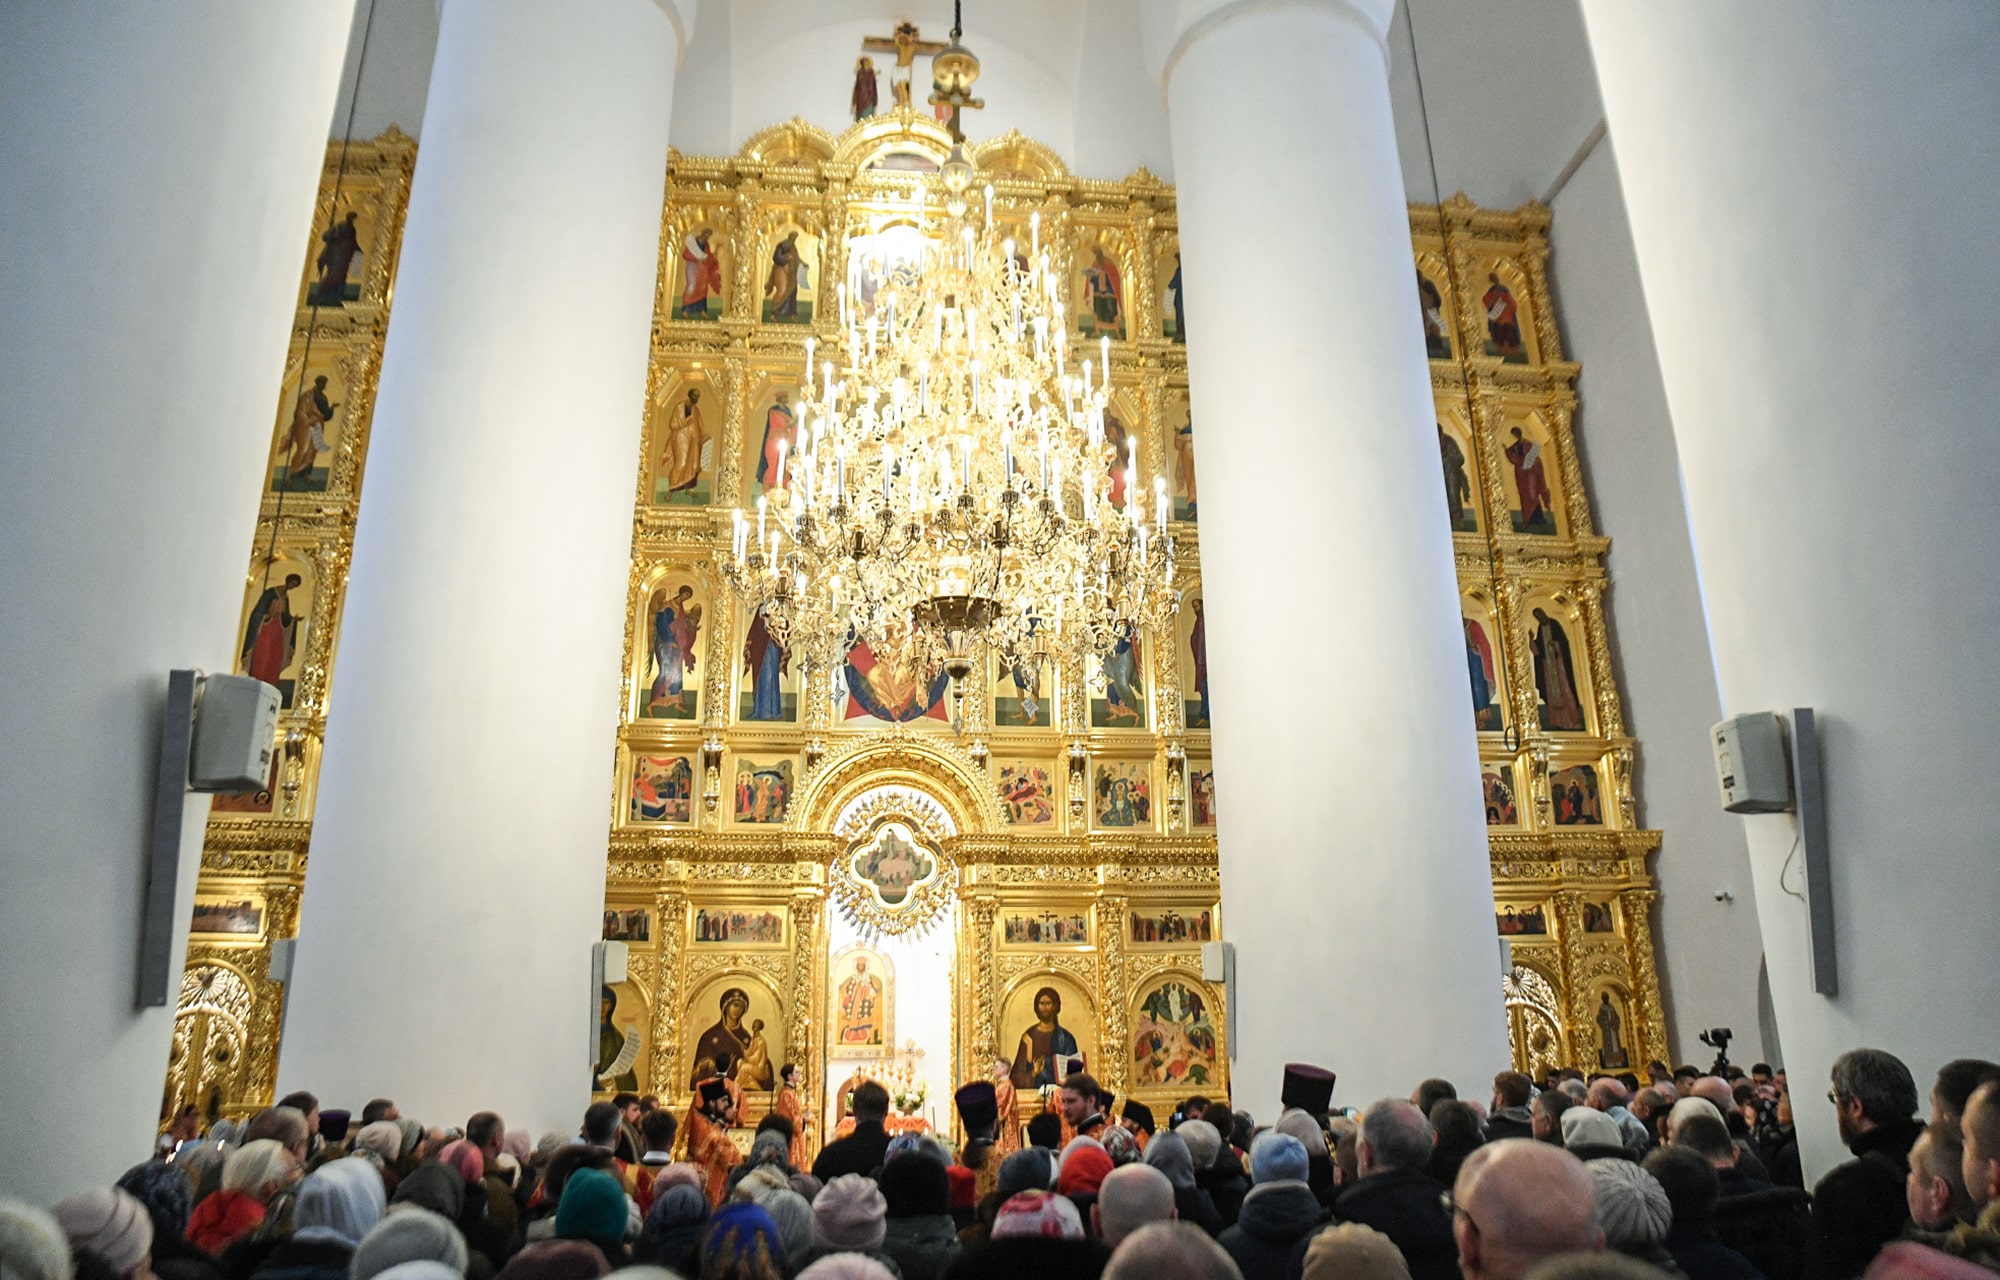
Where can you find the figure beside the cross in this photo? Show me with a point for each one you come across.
(953, 70)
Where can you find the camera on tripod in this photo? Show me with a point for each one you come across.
(1717, 1038)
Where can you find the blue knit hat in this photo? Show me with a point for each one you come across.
(592, 1207)
(1277, 1157)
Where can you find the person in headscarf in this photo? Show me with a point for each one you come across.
(251, 1175)
(741, 1242)
(594, 1209)
(771, 1150)
(673, 1226)
(1118, 1143)
(850, 1216)
(794, 1215)
(338, 1204)
(846, 1266)
(1168, 1152)
(32, 1243)
(919, 1231)
(1084, 1167)
(556, 1260)
(111, 1227)
(168, 1195)
(445, 1189)
(409, 1234)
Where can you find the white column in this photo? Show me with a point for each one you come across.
(1811, 199)
(160, 167)
(1355, 880)
(458, 851)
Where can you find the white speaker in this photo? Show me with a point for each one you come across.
(1752, 763)
(235, 733)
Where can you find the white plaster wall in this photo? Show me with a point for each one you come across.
(1811, 196)
(1710, 951)
(160, 164)
(922, 1003)
(390, 86)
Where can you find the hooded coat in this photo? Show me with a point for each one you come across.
(1168, 1152)
(1275, 1219)
(1407, 1207)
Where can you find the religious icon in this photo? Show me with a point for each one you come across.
(763, 791)
(861, 980)
(1174, 1040)
(1122, 454)
(725, 1043)
(767, 668)
(1480, 666)
(889, 691)
(687, 454)
(1611, 1051)
(1103, 312)
(701, 276)
(893, 864)
(1026, 795)
(867, 89)
(1536, 513)
(1122, 796)
(755, 1071)
(342, 243)
(299, 467)
(1597, 918)
(1201, 795)
(1498, 784)
(1573, 797)
(741, 927)
(1515, 922)
(1457, 485)
(1194, 677)
(1017, 692)
(675, 617)
(777, 440)
(1171, 928)
(906, 45)
(1173, 311)
(1185, 497)
(1555, 675)
(620, 1037)
(630, 924)
(1503, 322)
(1123, 705)
(1045, 929)
(239, 918)
(1437, 335)
(662, 788)
(789, 278)
(271, 634)
(1042, 1044)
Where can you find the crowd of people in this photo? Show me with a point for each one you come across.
(1686, 1176)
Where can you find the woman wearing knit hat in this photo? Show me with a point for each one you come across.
(556, 1260)
(1633, 1211)
(111, 1225)
(846, 1266)
(338, 1204)
(32, 1244)
(168, 1194)
(593, 1208)
(921, 1235)
(1279, 1212)
(849, 1216)
(741, 1243)
(673, 1225)
(409, 1234)
(251, 1175)
(1168, 1152)
(794, 1216)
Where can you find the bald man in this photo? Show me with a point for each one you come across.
(1131, 1196)
(1517, 1202)
(1170, 1251)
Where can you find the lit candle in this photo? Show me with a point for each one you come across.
(810, 343)
(1104, 345)
(1035, 230)
(965, 448)
(888, 468)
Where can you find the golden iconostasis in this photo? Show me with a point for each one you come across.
(1058, 827)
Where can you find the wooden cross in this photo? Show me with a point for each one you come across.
(906, 45)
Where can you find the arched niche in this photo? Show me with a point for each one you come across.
(900, 758)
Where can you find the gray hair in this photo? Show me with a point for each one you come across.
(408, 1233)
(382, 1138)
(1398, 1134)
(1170, 1251)
(1879, 1081)
(257, 1164)
(1132, 1196)
(1204, 1143)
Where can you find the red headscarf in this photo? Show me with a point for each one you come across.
(1083, 1170)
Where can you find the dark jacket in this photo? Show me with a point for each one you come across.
(1509, 1122)
(1446, 1157)
(1703, 1257)
(859, 1152)
(1781, 1157)
(1860, 1206)
(1040, 1257)
(1407, 1207)
(1275, 1217)
(1192, 1204)
(306, 1260)
(1225, 1183)
(922, 1245)
(175, 1259)
(1770, 1226)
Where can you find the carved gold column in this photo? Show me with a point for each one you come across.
(806, 949)
(671, 917)
(985, 911)
(1583, 1037)
(1114, 1041)
(1636, 906)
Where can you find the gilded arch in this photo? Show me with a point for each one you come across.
(900, 757)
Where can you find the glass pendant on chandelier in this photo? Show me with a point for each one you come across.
(952, 488)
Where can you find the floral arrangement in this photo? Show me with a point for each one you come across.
(909, 1098)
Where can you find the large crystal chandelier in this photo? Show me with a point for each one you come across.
(953, 489)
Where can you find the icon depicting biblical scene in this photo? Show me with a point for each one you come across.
(1048, 1039)
(672, 619)
(867, 689)
(1201, 794)
(1123, 455)
(763, 790)
(1498, 782)
(1573, 797)
(739, 927)
(1173, 310)
(236, 917)
(770, 442)
(1483, 668)
(1118, 684)
(1174, 1040)
(687, 425)
(1193, 626)
(734, 1045)
(1437, 326)
(1461, 500)
(1027, 795)
(862, 982)
(1171, 928)
(272, 641)
(1180, 434)
(894, 253)
(1100, 305)
(1122, 794)
(893, 864)
(337, 279)
(1515, 922)
(701, 274)
(1046, 929)
(1561, 705)
(662, 788)
(1023, 692)
(769, 692)
(312, 416)
(628, 924)
(1528, 467)
(1597, 918)
(1503, 321)
(791, 278)
(621, 1038)
(1612, 1055)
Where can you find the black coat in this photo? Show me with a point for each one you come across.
(1226, 1184)
(1407, 1207)
(175, 1259)
(1274, 1219)
(859, 1152)
(1192, 1204)
(1860, 1206)
(1703, 1257)
(1770, 1226)
(306, 1260)
(923, 1244)
(1043, 1257)
(1509, 1122)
